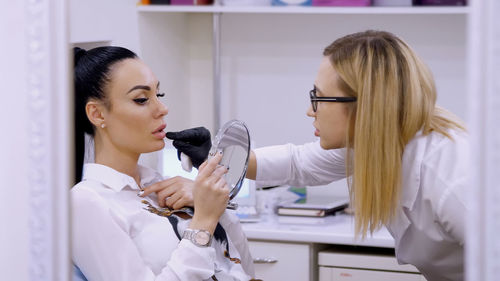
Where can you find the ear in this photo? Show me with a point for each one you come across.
(95, 114)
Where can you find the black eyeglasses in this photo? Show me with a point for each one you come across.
(315, 99)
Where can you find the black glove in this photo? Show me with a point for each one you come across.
(194, 142)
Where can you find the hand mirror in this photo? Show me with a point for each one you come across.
(233, 139)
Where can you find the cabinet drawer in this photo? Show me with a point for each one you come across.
(281, 261)
(349, 274)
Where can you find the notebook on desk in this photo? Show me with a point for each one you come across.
(313, 206)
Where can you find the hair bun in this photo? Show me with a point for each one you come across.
(78, 53)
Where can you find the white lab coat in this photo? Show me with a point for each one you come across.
(429, 225)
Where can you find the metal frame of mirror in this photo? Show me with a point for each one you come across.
(233, 139)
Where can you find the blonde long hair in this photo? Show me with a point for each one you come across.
(396, 97)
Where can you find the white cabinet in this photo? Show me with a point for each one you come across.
(340, 266)
(282, 261)
(349, 274)
(275, 260)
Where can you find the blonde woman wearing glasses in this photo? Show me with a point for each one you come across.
(374, 111)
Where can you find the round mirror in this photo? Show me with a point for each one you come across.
(233, 139)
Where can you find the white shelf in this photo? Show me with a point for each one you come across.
(303, 10)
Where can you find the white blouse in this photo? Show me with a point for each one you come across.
(118, 235)
(429, 224)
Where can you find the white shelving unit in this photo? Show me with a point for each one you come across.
(267, 58)
(302, 10)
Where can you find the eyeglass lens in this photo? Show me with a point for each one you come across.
(314, 102)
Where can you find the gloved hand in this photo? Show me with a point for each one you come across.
(194, 142)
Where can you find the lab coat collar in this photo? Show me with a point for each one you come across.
(116, 180)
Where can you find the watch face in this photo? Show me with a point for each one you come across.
(202, 238)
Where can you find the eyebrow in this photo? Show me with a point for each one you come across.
(142, 87)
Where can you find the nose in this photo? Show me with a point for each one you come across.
(162, 109)
(310, 112)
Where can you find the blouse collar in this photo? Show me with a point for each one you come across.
(117, 180)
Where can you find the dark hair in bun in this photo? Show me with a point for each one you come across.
(91, 75)
(78, 54)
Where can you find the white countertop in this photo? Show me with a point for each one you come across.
(338, 229)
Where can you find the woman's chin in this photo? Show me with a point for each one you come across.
(157, 146)
(328, 145)
(324, 144)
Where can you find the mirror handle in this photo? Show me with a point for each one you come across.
(232, 205)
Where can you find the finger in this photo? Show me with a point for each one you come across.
(200, 135)
(172, 135)
(182, 202)
(158, 186)
(181, 145)
(165, 193)
(227, 189)
(221, 183)
(188, 134)
(219, 172)
(170, 201)
(202, 166)
(210, 166)
(152, 188)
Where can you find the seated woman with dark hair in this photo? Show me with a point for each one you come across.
(123, 230)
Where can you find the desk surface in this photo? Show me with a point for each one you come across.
(337, 229)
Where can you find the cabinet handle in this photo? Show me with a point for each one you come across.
(265, 260)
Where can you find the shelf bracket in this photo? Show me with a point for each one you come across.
(216, 38)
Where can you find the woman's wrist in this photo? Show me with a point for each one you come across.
(252, 166)
(208, 224)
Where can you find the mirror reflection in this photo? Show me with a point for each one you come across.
(233, 140)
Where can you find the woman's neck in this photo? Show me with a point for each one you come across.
(109, 155)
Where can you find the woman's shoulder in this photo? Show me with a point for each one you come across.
(444, 156)
(435, 142)
(85, 194)
(456, 141)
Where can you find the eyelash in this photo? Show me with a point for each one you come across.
(142, 101)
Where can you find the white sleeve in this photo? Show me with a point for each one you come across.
(452, 212)
(232, 226)
(446, 172)
(103, 250)
(300, 165)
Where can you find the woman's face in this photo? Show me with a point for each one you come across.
(330, 118)
(134, 121)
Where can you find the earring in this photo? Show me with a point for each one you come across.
(103, 125)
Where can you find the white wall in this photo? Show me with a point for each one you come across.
(110, 20)
(35, 162)
(14, 210)
(270, 63)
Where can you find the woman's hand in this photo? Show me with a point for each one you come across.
(211, 194)
(175, 193)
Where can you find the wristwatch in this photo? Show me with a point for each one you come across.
(199, 237)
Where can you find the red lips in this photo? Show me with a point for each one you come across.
(159, 129)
